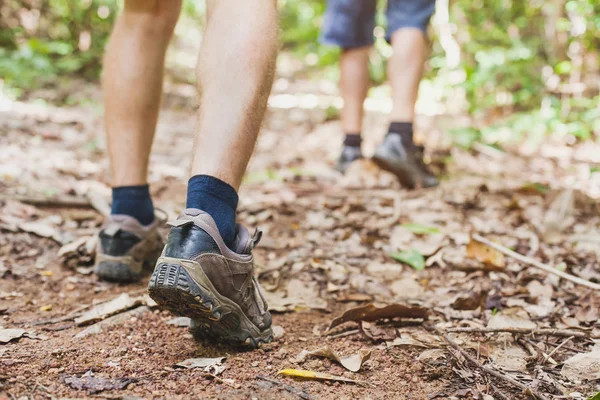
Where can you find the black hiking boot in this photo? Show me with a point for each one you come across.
(126, 248)
(199, 277)
(405, 160)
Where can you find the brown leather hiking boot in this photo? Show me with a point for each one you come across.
(125, 246)
(198, 276)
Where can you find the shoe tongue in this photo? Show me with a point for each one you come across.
(242, 240)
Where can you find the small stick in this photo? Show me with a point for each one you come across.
(496, 374)
(54, 201)
(556, 348)
(346, 333)
(536, 263)
(300, 393)
(527, 331)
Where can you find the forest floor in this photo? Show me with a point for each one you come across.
(326, 249)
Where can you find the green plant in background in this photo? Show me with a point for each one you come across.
(527, 69)
(42, 40)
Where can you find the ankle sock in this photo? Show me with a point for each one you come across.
(404, 129)
(134, 201)
(352, 140)
(218, 199)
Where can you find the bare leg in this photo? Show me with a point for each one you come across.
(133, 79)
(235, 73)
(405, 70)
(354, 84)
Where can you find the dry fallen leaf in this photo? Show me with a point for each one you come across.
(102, 325)
(299, 373)
(118, 304)
(97, 384)
(471, 300)
(511, 318)
(509, 357)
(200, 362)
(299, 296)
(6, 335)
(492, 258)
(372, 313)
(352, 362)
(583, 366)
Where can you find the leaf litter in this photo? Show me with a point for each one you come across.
(351, 362)
(330, 240)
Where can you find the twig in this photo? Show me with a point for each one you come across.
(536, 263)
(54, 201)
(496, 374)
(527, 331)
(223, 381)
(346, 333)
(302, 394)
(546, 358)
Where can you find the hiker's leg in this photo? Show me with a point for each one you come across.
(235, 72)
(405, 70)
(407, 32)
(349, 25)
(407, 26)
(133, 79)
(206, 271)
(354, 84)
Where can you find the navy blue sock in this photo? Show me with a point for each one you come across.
(218, 199)
(404, 129)
(352, 140)
(134, 201)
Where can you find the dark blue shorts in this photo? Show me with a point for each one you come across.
(350, 23)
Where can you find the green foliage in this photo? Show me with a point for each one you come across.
(419, 229)
(42, 40)
(411, 258)
(527, 69)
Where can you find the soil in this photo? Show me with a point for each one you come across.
(329, 235)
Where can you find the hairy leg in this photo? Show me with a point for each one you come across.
(133, 78)
(354, 84)
(235, 72)
(405, 70)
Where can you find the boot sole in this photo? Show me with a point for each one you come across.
(400, 173)
(181, 287)
(119, 269)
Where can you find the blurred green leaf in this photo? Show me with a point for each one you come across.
(420, 229)
(410, 257)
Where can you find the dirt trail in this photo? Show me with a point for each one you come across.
(326, 249)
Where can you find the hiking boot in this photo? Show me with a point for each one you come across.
(125, 246)
(405, 161)
(199, 277)
(348, 156)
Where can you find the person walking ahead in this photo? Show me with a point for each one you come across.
(349, 24)
(205, 270)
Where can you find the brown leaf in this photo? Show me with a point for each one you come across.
(492, 258)
(352, 362)
(470, 301)
(95, 385)
(376, 333)
(583, 366)
(354, 297)
(372, 313)
(6, 335)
